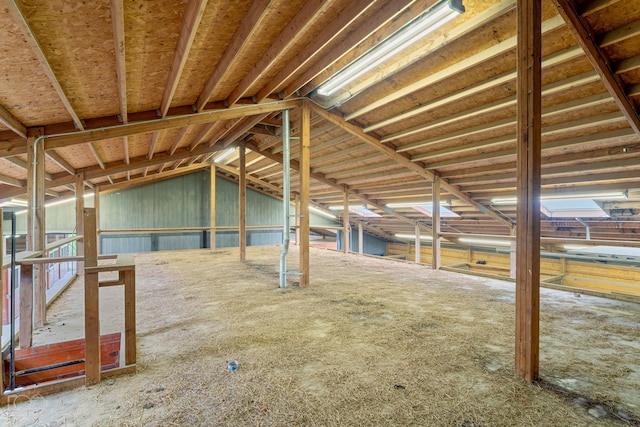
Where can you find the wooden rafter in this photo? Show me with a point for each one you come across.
(12, 123)
(242, 36)
(599, 59)
(178, 140)
(387, 12)
(190, 22)
(60, 161)
(117, 19)
(413, 166)
(348, 15)
(32, 41)
(290, 35)
(495, 51)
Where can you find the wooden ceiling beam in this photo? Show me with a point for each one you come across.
(505, 78)
(590, 7)
(21, 22)
(486, 55)
(7, 119)
(411, 56)
(336, 28)
(291, 34)
(14, 182)
(584, 34)
(135, 182)
(429, 175)
(295, 165)
(178, 140)
(388, 12)
(117, 19)
(247, 29)
(60, 161)
(59, 141)
(190, 23)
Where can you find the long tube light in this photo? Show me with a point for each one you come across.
(608, 195)
(400, 40)
(413, 236)
(321, 212)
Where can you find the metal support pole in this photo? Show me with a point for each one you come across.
(286, 196)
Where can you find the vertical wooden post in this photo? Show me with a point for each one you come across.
(436, 260)
(79, 216)
(91, 300)
(1, 304)
(418, 255)
(96, 206)
(305, 176)
(346, 238)
(528, 168)
(242, 182)
(512, 255)
(360, 239)
(130, 317)
(297, 206)
(212, 207)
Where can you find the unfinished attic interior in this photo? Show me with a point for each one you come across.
(428, 211)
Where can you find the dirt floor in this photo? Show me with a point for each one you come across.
(370, 342)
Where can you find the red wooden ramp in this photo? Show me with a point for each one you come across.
(36, 365)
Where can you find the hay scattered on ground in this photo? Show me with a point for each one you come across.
(371, 342)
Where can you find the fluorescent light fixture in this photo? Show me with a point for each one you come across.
(413, 236)
(58, 202)
(14, 203)
(597, 195)
(485, 242)
(400, 40)
(341, 207)
(364, 212)
(408, 204)
(322, 212)
(574, 247)
(224, 155)
(428, 211)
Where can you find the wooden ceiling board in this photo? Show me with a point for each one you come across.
(32, 101)
(627, 48)
(78, 156)
(110, 150)
(216, 29)
(151, 33)
(76, 38)
(615, 15)
(139, 145)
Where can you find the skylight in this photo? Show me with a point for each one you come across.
(364, 212)
(572, 208)
(428, 211)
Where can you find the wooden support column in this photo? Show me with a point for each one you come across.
(242, 182)
(80, 217)
(360, 239)
(129, 316)
(346, 226)
(305, 176)
(33, 294)
(212, 207)
(1, 305)
(436, 260)
(91, 300)
(96, 206)
(418, 255)
(297, 206)
(512, 255)
(528, 189)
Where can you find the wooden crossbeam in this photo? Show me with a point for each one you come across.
(117, 19)
(584, 34)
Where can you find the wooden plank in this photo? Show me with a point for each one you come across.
(172, 122)
(529, 149)
(1, 304)
(242, 184)
(60, 161)
(417, 257)
(248, 27)
(390, 152)
(7, 119)
(130, 317)
(190, 22)
(290, 35)
(360, 238)
(337, 27)
(20, 21)
(495, 51)
(585, 36)
(212, 206)
(346, 238)
(80, 218)
(117, 19)
(436, 261)
(305, 171)
(91, 300)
